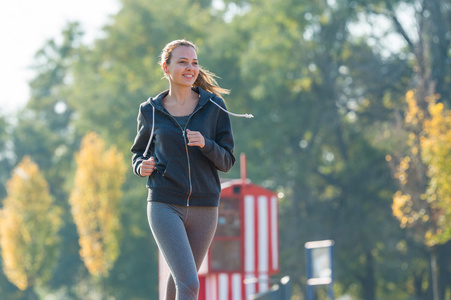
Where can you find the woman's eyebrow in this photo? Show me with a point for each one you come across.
(185, 58)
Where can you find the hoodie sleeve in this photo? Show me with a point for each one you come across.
(220, 150)
(140, 143)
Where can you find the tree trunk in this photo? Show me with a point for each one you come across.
(434, 274)
(31, 294)
(368, 282)
(418, 279)
(444, 270)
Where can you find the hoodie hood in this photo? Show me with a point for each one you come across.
(205, 97)
(157, 101)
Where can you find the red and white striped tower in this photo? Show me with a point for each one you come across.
(245, 250)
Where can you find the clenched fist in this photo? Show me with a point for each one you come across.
(147, 167)
(195, 138)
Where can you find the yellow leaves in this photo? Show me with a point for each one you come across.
(401, 208)
(413, 114)
(427, 200)
(436, 109)
(405, 209)
(12, 248)
(29, 223)
(95, 201)
(436, 145)
(402, 169)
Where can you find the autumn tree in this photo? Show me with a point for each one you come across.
(95, 200)
(110, 79)
(29, 225)
(310, 86)
(424, 42)
(43, 130)
(423, 202)
(436, 145)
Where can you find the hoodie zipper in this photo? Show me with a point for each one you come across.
(184, 137)
(186, 149)
(189, 166)
(187, 155)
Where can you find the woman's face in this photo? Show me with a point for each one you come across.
(183, 67)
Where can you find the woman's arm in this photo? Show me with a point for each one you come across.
(220, 150)
(140, 142)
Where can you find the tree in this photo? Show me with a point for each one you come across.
(300, 74)
(44, 131)
(110, 79)
(95, 201)
(43, 128)
(423, 201)
(427, 45)
(122, 70)
(29, 225)
(325, 102)
(436, 146)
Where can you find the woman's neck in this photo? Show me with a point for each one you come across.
(180, 102)
(180, 95)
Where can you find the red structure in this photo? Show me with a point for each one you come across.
(245, 250)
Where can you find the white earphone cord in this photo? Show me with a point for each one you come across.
(230, 113)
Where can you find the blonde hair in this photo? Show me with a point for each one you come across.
(206, 79)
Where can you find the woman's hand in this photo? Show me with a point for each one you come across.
(195, 138)
(147, 167)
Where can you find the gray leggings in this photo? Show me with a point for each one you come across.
(183, 235)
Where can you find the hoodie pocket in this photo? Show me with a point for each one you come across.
(175, 175)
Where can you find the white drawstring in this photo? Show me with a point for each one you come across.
(151, 133)
(230, 113)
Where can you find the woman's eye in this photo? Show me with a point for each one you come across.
(183, 62)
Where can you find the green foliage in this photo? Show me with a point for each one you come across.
(44, 131)
(123, 71)
(327, 105)
(5, 153)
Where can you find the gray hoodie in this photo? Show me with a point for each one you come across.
(184, 175)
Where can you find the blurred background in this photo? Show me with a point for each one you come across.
(352, 130)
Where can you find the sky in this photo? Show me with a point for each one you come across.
(25, 26)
